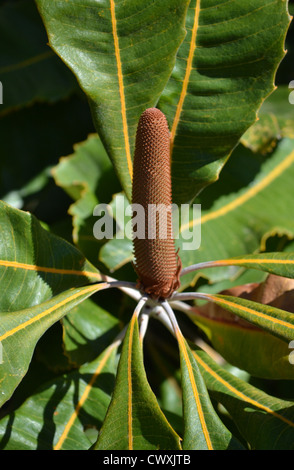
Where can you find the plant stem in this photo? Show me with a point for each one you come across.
(120, 284)
(204, 265)
(190, 296)
(172, 317)
(130, 288)
(144, 321)
(160, 314)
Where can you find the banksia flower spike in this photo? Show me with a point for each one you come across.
(156, 261)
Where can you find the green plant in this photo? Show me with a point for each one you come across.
(73, 375)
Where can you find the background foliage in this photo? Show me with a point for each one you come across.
(54, 165)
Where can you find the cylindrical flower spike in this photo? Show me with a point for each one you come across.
(156, 261)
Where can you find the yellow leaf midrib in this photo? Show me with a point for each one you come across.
(246, 196)
(46, 269)
(232, 261)
(239, 394)
(44, 313)
(195, 391)
(228, 303)
(130, 388)
(84, 397)
(188, 71)
(121, 88)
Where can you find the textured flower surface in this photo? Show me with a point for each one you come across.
(156, 261)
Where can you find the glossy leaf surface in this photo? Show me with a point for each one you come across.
(225, 68)
(240, 343)
(278, 322)
(238, 217)
(75, 403)
(122, 53)
(134, 420)
(265, 422)
(203, 428)
(31, 322)
(35, 264)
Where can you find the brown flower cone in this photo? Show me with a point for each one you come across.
(156, 261)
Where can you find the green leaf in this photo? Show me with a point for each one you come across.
(88, 177)
(238, 214)
(266, 422)
(263, 135)
(275, 122)
(134, 420)
(35, 264)
(279, 263)
(240, 343)
(274, 320)
(203, 428)
(81, 171)
(225, 68)
(16, 327)
(166, 378)
(122, 54)
(116, 252)
(29, 70)
(61, 413)
(119, 250)
(87, 330)
(238, 217)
